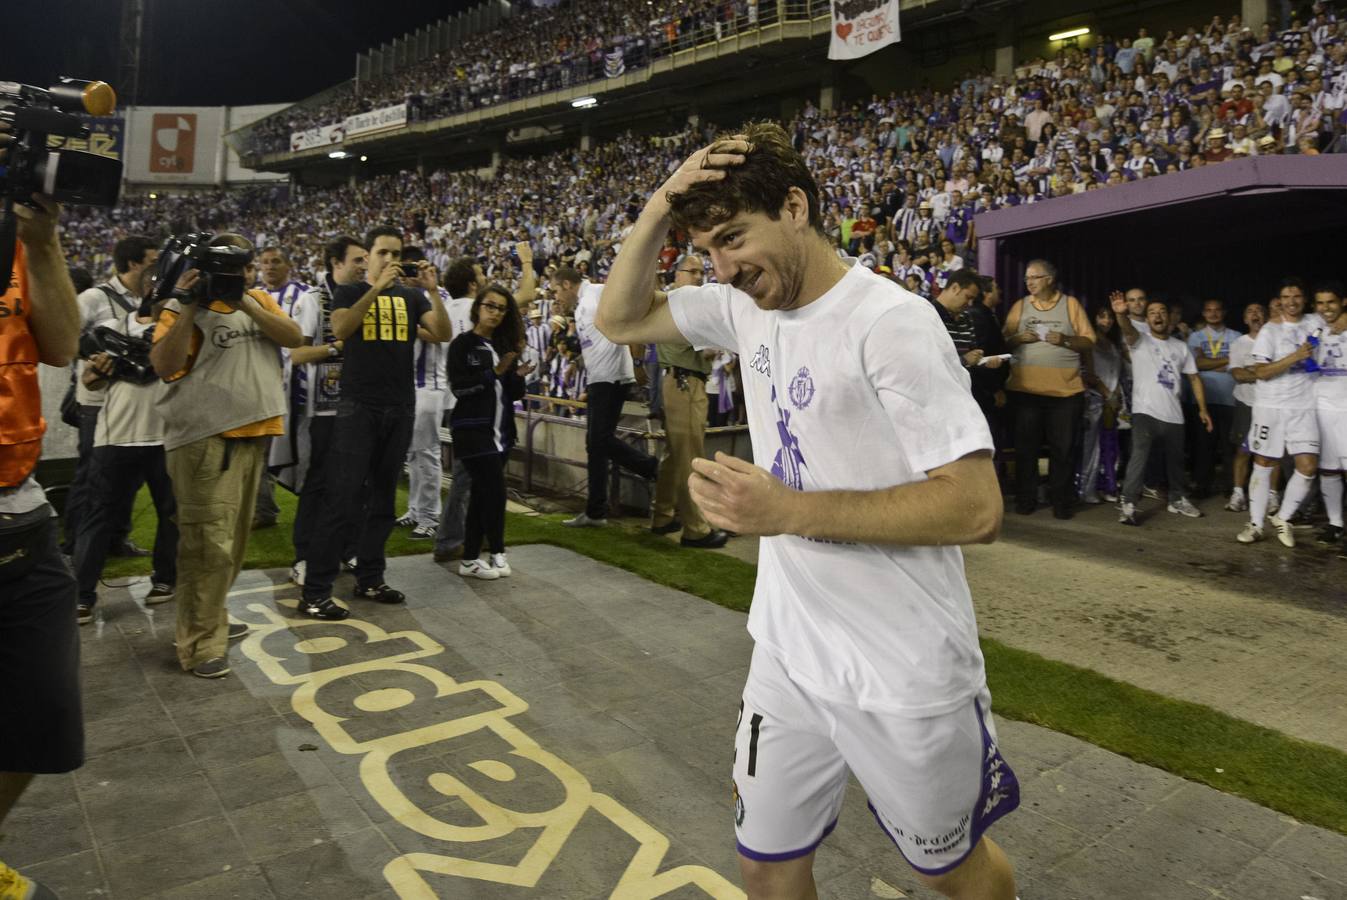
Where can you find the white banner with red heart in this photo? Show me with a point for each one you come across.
(863, 26)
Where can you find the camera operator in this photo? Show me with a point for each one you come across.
(109, 304)
(222, 401)
(378, 322)
(43, 730)
(128, 451)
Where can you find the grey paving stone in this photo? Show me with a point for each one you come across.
(144, 725)
(349, 866)
(234, 744)
(139, 866)
(1265, 877)
(1178, 849)
(1141, 783)
(36, 834)
(168, 758)
(296, 822)
(1078, 803)
(1100, 871)
(131, 807)
(237, 884)
(1228, 815)
(76, 876)
(203, 714)
(268, 777)
(1316, 849)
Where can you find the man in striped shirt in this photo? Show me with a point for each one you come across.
(425, 467)
(274, 267)
(962, 287)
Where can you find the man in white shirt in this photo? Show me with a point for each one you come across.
(1157, 411)
(1330, 392)
(425, 468)
(611, 372)
(1240, 368)
(274, 267)
(1284, 418)
(109, 303)
(1211, 350)
(866, 650)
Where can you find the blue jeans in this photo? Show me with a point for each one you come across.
(452, 530)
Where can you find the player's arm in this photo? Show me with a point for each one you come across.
(1264, 371)
(1212, 363)
(628, 311)
(54, 316)
(528, 278)
(1200, 395)
(1117, 300)
(958, 503)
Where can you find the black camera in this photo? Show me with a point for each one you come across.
(130, 355)
(219, 259)
(69, 176)
(410, 269)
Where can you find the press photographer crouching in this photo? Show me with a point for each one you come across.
(128, 450)
(215, 344)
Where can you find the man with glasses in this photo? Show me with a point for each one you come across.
(683, 388)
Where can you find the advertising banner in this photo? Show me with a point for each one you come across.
(174, 145)
(860, 27)
(325, 136)
(106, 137)
(375, 120)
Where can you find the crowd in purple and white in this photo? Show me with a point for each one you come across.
(532, 52)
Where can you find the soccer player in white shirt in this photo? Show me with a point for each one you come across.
(1330, 393)
(866, 655)
(1284, 418)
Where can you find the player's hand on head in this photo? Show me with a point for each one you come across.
(739, 496)
(707, 164)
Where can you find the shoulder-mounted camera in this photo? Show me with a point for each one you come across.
(69, 176)
(220, 259)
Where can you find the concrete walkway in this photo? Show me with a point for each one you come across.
(553, 735)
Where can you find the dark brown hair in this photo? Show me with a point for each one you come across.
(509, 334)
(759, 184)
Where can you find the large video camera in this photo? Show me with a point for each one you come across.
(221, 265)
(70, 176)
(130, 355)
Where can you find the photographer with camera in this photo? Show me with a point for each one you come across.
(128, 451)
(43, 731)
(106, 304)
(215, 344)
(378, 322)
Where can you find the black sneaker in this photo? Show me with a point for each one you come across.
(212, 668)
(1329, 534)
(237, 630)
(129, 548)
(324, 609)
(159, 593)
(668, 528)
(712, 539)
(380, 593)
(84, 614)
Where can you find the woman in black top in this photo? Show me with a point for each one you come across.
(486, 380)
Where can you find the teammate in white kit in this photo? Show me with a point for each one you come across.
(1330, 393)
(866, 655)
(1284, 418)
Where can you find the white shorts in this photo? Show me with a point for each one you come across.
(1276, 432)
(934, 784)
(1332, 439)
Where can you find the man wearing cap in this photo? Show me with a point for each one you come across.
(1216, 149)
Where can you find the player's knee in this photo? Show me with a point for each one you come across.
(789, 880)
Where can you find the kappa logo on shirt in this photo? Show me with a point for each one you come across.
(762, 361)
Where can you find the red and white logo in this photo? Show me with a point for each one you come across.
(173, 143)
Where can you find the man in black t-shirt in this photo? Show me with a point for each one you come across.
(378, 322)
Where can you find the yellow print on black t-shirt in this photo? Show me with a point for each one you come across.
(386, 320)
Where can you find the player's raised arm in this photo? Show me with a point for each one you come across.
(628, 311)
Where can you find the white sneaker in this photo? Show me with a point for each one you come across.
(297, 572)
(475, 568)
(1091, 498)
(423, 532)
(500, 565)
(1150, 493)
(1184, 507)
(1285, 533)
(1127, 513)
(1238, 502)
(350, 564)
(1250, 535)
(1274, 502)
(406, 521)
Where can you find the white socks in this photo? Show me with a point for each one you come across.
(1260, 489)
(1331, 486)
(1297, 489)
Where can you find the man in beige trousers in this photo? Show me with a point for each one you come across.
(683, 392)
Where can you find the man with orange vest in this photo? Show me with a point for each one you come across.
(43, 731)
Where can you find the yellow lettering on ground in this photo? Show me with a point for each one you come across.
(463, 721)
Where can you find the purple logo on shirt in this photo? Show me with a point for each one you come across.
(802, 389)
(789, 464)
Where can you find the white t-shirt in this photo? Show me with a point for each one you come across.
(430, 359)
(1330, 388)
(604, 360)
(1293, 389)
(1241, 356)
(1156, 383)
(859, 390)
(459, 310)
(131, 415)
